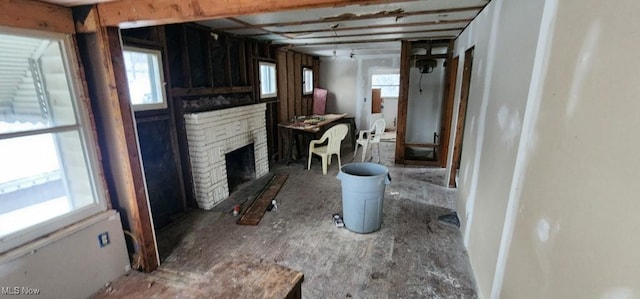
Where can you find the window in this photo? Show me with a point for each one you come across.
(47, 156)
(388, 83)
(268, 86)
(145, 78)
(307, 80)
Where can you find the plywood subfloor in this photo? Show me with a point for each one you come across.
(412, 256)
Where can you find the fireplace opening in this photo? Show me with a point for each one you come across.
(241, 166)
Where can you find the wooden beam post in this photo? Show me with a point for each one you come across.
(447, 108)
(403, 100)
(100, 50)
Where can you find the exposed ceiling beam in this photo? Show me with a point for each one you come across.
(439, 37)
(378, 33)
(428, 23)
(139, 13)
(351, 17)
(37, 15)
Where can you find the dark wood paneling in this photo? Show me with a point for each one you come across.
(161, 172)
(291, 101)
(197, 50)
(296, 71)
(290, 97)
(158, 142)
(283, 107)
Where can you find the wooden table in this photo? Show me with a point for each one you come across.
(238, 279)
(296, 129)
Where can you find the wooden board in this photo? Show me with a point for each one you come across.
(403, 100)
(448, 111)
(256, 210)
(36, 15)
(296, 70)
(158, 12)
(462, 112)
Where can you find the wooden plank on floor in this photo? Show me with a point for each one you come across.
(256, 210)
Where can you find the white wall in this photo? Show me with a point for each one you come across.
(349, 80)
(576, 233)
(425, 109)
(339, 78)
(549, 212)
(505, 36)
(68, 263)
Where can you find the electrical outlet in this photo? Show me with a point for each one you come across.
(103, 239)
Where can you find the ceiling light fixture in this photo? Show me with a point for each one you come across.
(335, 40)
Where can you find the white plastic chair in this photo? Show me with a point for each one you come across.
(334, 135)
(371, 136)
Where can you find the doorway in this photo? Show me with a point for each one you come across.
(423, 102)
(462, 114)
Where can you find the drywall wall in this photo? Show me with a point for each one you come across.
(424, 110)
(349, 79)
(339, 78)
(576, 233)
(72, 264)
(505, 36)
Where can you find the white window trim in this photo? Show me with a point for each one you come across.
(151, 106)
(14, 241)
(275, 79)
(307, 92)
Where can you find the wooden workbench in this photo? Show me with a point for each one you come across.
(310, 131)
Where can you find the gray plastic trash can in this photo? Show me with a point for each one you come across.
(362, 195)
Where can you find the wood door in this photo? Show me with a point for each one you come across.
(462, 112)
(376, 100)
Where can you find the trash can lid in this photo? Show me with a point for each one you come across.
(364, 169)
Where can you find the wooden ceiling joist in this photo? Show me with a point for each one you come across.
(428, 23)
(139, 13)
(30, 14)
(382, 33)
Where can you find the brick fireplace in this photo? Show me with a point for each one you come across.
(213, 134)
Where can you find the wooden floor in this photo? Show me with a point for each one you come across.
(412, 256)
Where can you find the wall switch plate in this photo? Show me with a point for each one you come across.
(103, 239)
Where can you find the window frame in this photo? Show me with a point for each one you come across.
(273, 94)
(85, 129)
(380, 86)
(162, 83)
(306, 69)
